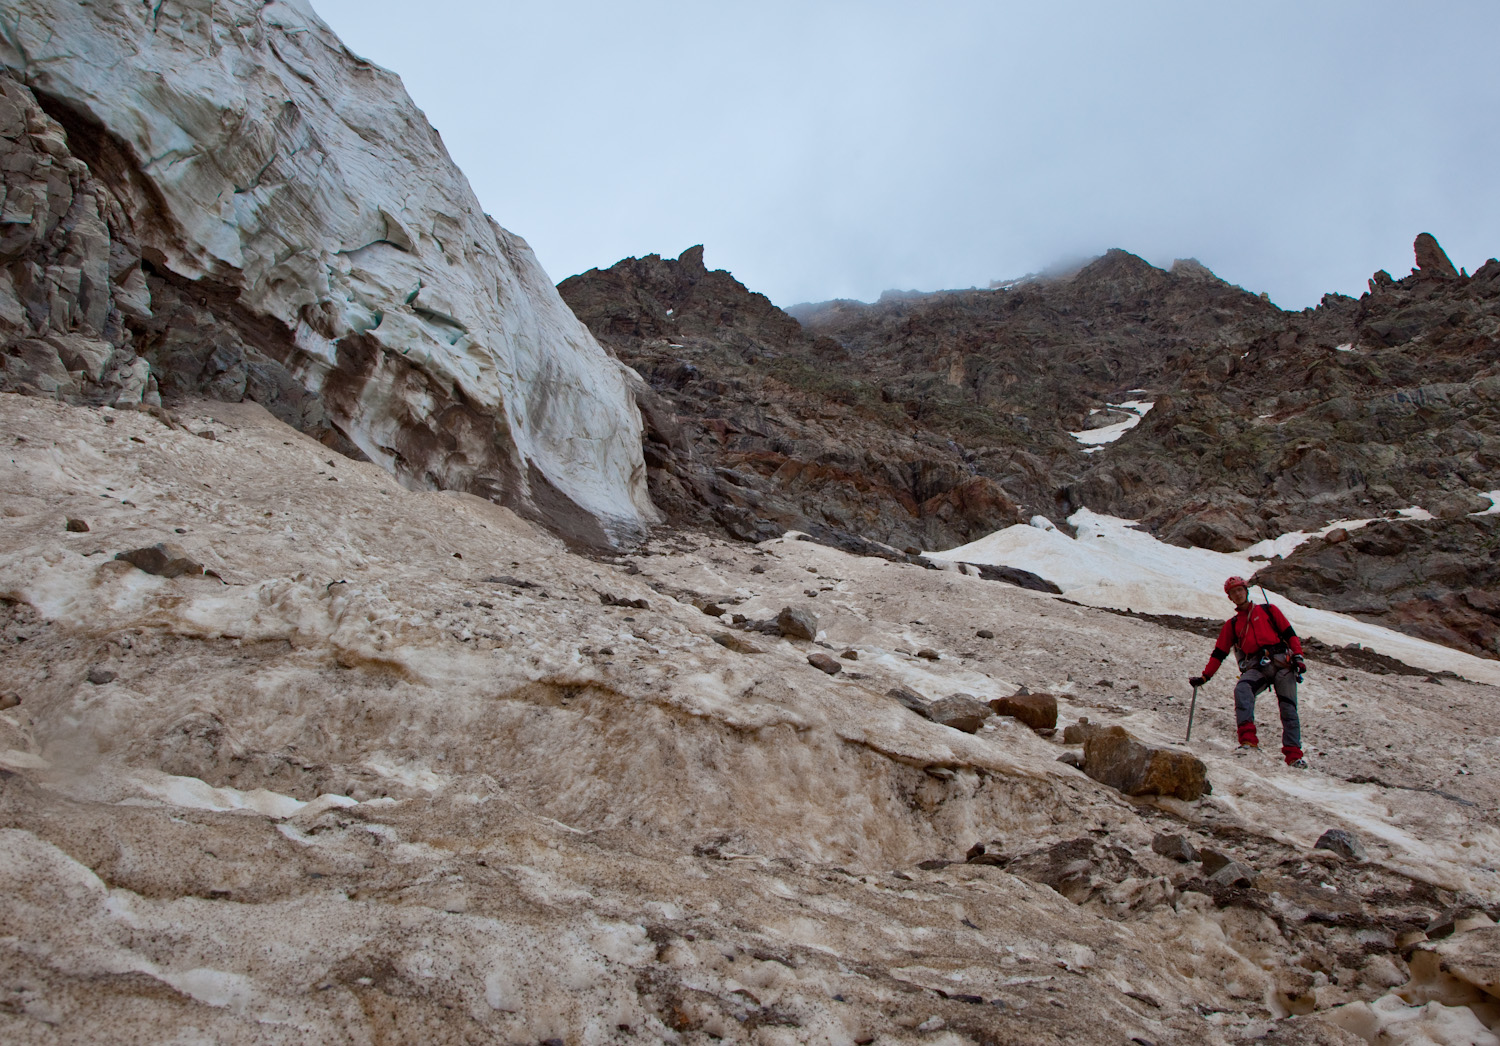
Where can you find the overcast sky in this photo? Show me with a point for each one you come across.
(837, 149)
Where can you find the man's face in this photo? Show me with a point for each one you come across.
(1239, 595)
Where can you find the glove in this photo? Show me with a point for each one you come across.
(1300, 665)
(1197, 681)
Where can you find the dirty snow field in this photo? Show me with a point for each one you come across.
(395, 770)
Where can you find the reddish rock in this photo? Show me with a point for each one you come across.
(1038, 711)
(824, 663)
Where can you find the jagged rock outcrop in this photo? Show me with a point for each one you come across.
(230, 202)
(70, 272)
(1354, 409)
(1432, 260)
(756, 426)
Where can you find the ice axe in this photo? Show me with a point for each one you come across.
(1191, 709)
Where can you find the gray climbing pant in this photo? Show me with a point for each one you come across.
(1255, 681)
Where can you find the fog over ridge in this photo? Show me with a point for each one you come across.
(839, 150)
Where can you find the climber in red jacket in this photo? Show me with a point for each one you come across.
(1269, 654)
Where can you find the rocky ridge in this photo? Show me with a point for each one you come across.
(223, 200)
(757, 427)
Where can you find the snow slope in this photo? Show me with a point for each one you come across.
(1113, 564)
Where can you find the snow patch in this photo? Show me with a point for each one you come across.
(1137, 409)
(1114, 564)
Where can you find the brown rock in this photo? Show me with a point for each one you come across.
(928, 653)
(960, 711)
(100, 676)
(1038, 711)
(797, 623)
(1112, 756)
(911, 701)
(164, 559)
(1343, 843)
(1213, 860)
(77, 526)
(8, 701)
(850, 655)
(824, 663)
(1234, 874)
(1176, 847)
(740, 645)
(1079, 732)
(1068, 867)
(985, 633)
(1432, 260)
(1457, 504)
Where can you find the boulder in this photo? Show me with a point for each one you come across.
(739, 644)
(1038, 711)
(1176, 847)
(1343, 843)
(911, 701)
(850, 655)
(1112, 756)
(824, 663)
(77, 526)
(1234, 874)
(797, 623)
(1213, 860)
(164, 559)
(960, 711)
(1079, 732)
(929, 654)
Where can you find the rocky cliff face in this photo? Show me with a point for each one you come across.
(219, 198)
(759, 427)
(1350, 410)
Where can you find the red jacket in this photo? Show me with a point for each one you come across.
(1253, 626)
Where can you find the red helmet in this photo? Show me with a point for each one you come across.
(1235, 582)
